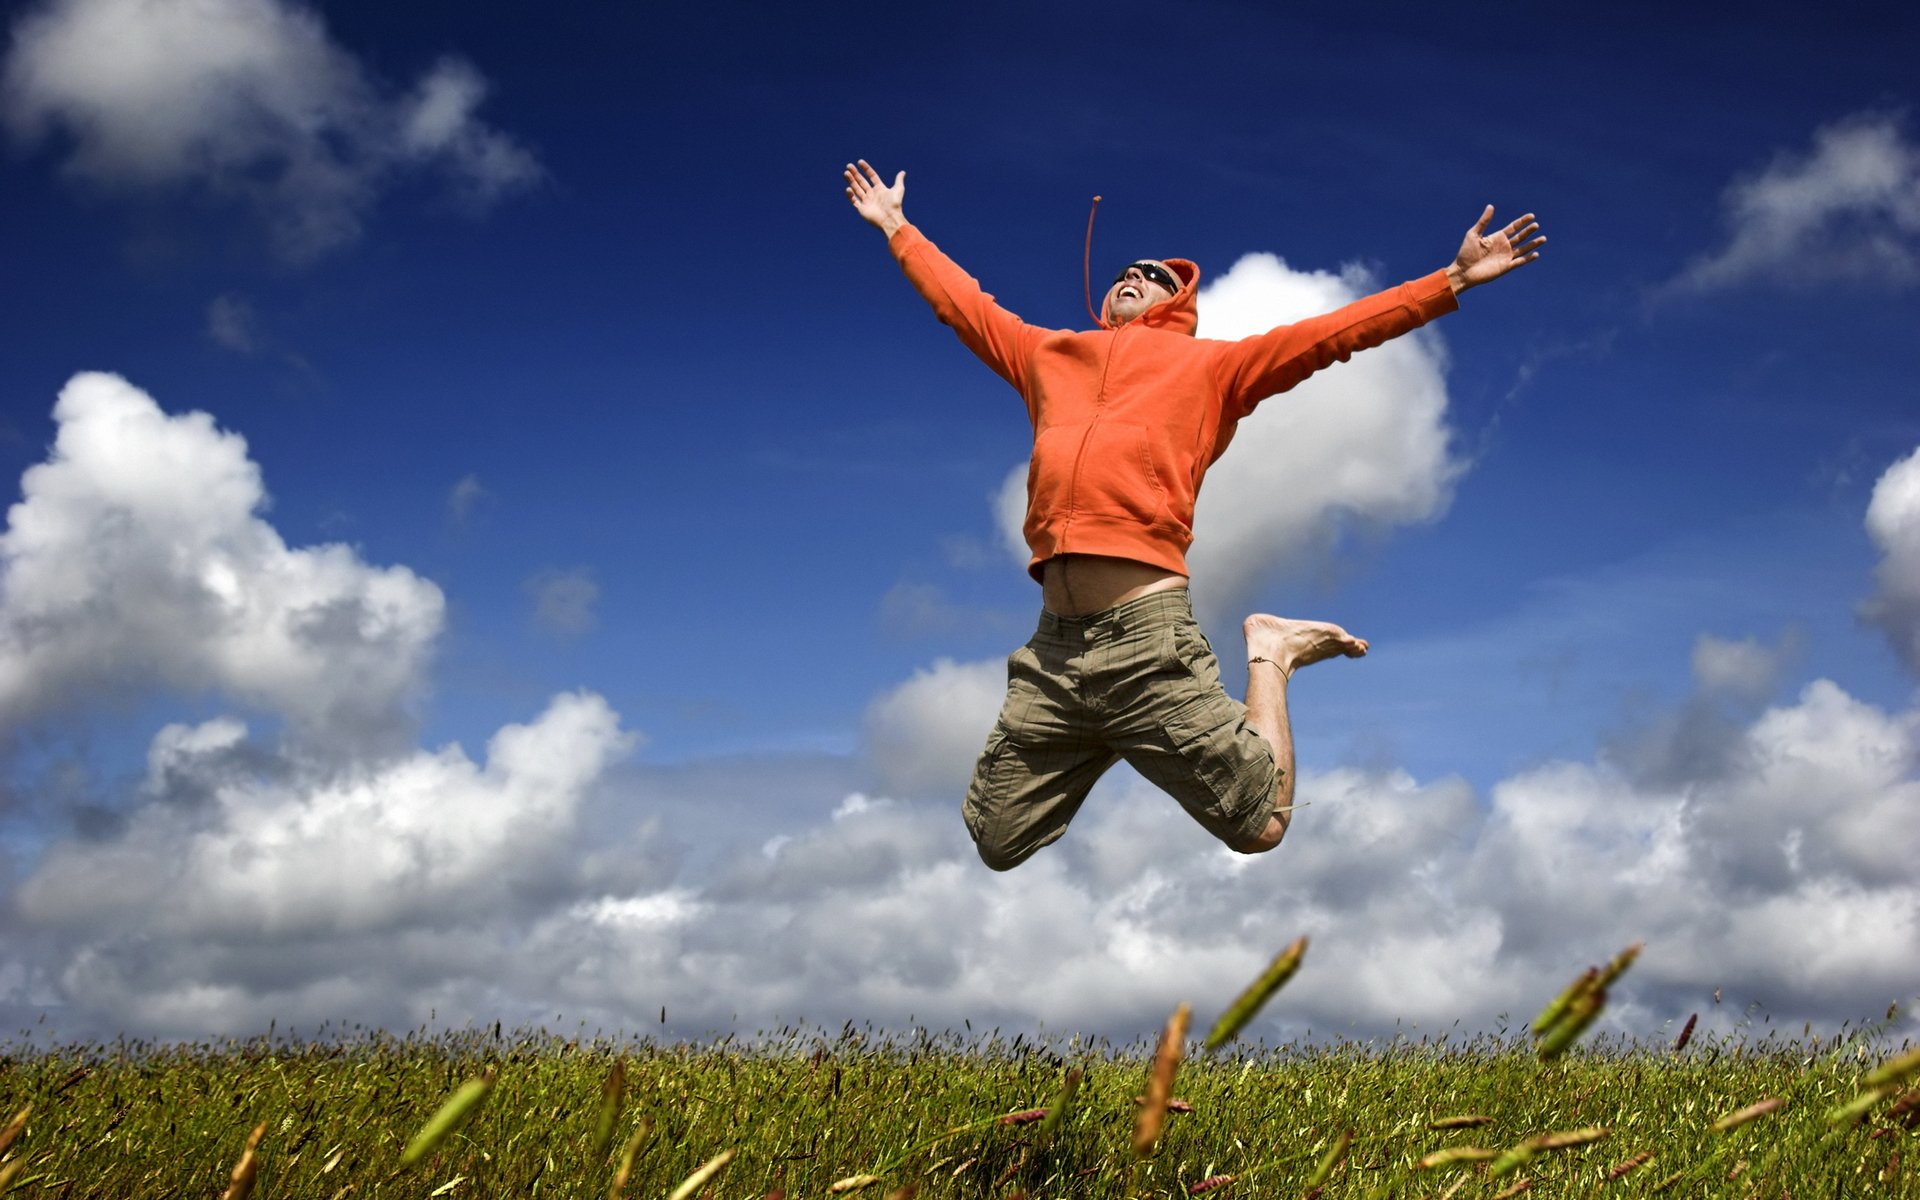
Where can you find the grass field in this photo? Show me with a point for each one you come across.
(812, 1114)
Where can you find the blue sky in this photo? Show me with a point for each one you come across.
(626, 431)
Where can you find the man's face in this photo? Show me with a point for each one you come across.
(1139, 287)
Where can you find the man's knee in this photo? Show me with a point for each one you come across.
(1263, 841)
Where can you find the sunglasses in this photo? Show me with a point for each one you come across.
(1153, 272)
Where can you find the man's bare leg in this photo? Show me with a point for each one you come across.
(1276, 648)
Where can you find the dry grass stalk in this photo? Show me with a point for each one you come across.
(1026, 1117)
(460, 1106)
(1166, 1063)
(1520, 1185)
(1463, 1121)
(8, 1171)
(1211, 1183)
(240, 1182)
(1257, 994)
(1686, 1033)
(705, 1171)
(1751, 1112)
(613, 1095)
(1331, 1159)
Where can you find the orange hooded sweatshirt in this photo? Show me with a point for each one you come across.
(1127, 420)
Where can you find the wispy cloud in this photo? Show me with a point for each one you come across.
(563, 601)
(245, 101)
(233, 323)
(1847, 210)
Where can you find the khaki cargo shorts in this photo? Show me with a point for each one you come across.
(1137, 682)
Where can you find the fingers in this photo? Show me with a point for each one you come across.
(1480, 226)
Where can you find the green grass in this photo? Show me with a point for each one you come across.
(802, 1111)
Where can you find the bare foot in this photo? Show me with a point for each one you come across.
(1291, 644)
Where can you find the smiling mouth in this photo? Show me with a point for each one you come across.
(1130, 290)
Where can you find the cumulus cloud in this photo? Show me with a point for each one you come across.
(1893, 522)
(247, 101)
(1845, 210)
(136, 560)
(1363, 443)
(254, 878)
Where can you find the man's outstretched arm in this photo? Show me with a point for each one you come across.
(1000, 339)
(1485, 257)
(880, 206)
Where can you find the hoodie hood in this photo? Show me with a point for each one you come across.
(1177, 314)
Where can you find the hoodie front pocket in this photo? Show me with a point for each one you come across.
(1102, 468)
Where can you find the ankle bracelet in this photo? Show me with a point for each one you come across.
(1282, 670)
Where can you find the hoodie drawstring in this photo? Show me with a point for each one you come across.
(1086, 263)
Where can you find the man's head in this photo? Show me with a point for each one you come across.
(1139, 286)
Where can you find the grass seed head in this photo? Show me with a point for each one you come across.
(460, 1106)
(1686, 1033)
(1454, 1156)
(1464, 1121)
(240, 1182)
(853, 1183)
(1257, 994)
(1166, 1063)
(1895, 1070)
(1571, 1023)
(1751, 1112)
(1057, 1111)
(705, 1171)
(12, 1131)
(612, 1100)
(1633, 1164)
(1331, 1159)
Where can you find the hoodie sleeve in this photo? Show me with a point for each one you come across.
(1250, 370)
(1000, 339)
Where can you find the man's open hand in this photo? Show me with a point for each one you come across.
(879, 205)
(1487, 256)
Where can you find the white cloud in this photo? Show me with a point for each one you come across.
(923, 735)
(252, 880)
(248, 100)
(136, 560)
(1893, 521)
(424, 838)
(1847, 210)
(1364, 442)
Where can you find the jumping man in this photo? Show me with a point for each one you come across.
(1126, 420)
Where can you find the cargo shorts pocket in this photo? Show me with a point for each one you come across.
(1222, 771)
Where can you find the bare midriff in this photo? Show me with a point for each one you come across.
(1074, 585)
